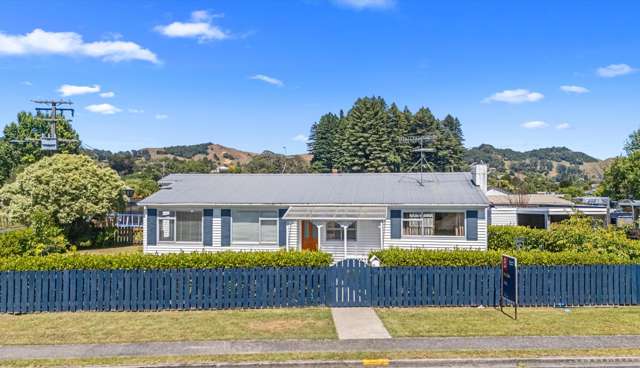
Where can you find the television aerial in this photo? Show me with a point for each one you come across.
(53, 113)
(424, 148)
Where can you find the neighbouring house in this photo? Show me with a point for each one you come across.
(347, 215)
(627, 212)
(539, 210)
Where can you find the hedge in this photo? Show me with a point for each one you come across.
(464, 258)
(227, 259)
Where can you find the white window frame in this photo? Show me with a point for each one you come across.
(326, 229)
(175, 226)
(260, 219)
(422, 210)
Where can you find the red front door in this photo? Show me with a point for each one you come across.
(309, 235)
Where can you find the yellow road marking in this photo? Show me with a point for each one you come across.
(375, 362)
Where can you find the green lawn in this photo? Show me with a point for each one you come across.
(112, 327)
(414, 322)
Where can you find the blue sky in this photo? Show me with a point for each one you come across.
(256, 74)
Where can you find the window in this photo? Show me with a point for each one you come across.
(255, 227)
(417, 223)
(334, 231)
(180, 226)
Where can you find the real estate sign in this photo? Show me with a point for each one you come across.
(509, 282)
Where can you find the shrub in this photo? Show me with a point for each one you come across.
(577, 233)
(17, 242)
(228, 259)
(465, 258)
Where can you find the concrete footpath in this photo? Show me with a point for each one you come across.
(295, 346)
(358, 323)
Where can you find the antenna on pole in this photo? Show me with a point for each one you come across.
(284, 164)
(49, 141)
(422, 163)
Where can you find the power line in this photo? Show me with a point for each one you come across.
(49, 141)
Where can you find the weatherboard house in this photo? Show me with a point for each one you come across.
(347, 215)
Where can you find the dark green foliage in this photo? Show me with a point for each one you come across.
(154, 170)
(490, 155)
(188, 151)
(395, 257)
(370, 139)
(321, 142)
(169, 261)
(272, 163)
(367, 139)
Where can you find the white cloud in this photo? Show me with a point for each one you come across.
(514, 96)
(105, 108)
(41, 42)
(563, 126)
(301, 138)
(574, 89)
(73, 90)
(267, 79)
(366, 4)
(615, 70)
(199, 27)
(26, 83)
(135, 111)
(162, 116)
(536, 124)
(107, 94)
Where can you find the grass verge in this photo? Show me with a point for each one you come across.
(422, 322)
(204, 359)
(117, 327)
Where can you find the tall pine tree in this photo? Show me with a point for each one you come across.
(367, 142)
(322, 141)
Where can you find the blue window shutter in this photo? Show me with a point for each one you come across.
(226, 227)
(472, 225)
(282, 228)
(396, 224)
(152, 216)
(207, 226)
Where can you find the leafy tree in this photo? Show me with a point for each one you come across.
(66, 188)
(272, 163)
(633, 142)
(28, 126)
(142, 187)
(321, 142)
(622, 178)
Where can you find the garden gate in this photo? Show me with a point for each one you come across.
(349, 284)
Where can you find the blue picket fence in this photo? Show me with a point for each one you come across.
(350, 283)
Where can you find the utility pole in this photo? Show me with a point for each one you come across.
(49, 141)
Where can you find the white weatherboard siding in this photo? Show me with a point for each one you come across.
(439, 242)
(505, 216)
(367, 239)
(292, 235)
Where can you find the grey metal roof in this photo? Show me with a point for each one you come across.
(318, 189)
(335, 213)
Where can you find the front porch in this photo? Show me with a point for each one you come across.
(344, 232)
